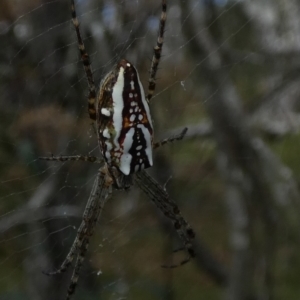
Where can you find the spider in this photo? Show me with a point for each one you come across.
(125, 136)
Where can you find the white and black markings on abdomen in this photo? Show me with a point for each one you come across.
(128, 135)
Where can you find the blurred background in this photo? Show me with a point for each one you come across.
(230, 72)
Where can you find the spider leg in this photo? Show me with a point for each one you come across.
(103, 193)
(77, 244)
(157, 51)
(170, 209)
(92, 159)
(171, 139)
(81, 232)
(75, 275)
(87, 65)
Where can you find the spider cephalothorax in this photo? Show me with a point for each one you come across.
(125, 128)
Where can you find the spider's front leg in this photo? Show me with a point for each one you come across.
(170, 209)
(63, 158)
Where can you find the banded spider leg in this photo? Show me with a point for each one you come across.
(100, 193)
(153, 190)
(169, 208)
(94, 159)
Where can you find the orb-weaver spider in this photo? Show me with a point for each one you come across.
(125, 135)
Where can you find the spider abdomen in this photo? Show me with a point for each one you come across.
(125, 125)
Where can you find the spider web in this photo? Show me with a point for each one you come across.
(44, 111)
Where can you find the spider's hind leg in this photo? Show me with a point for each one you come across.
(101, 195)
(191, 254)
(79, 261)
(77, 244)
(183, 229)
(84, 227)
(170, 209)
